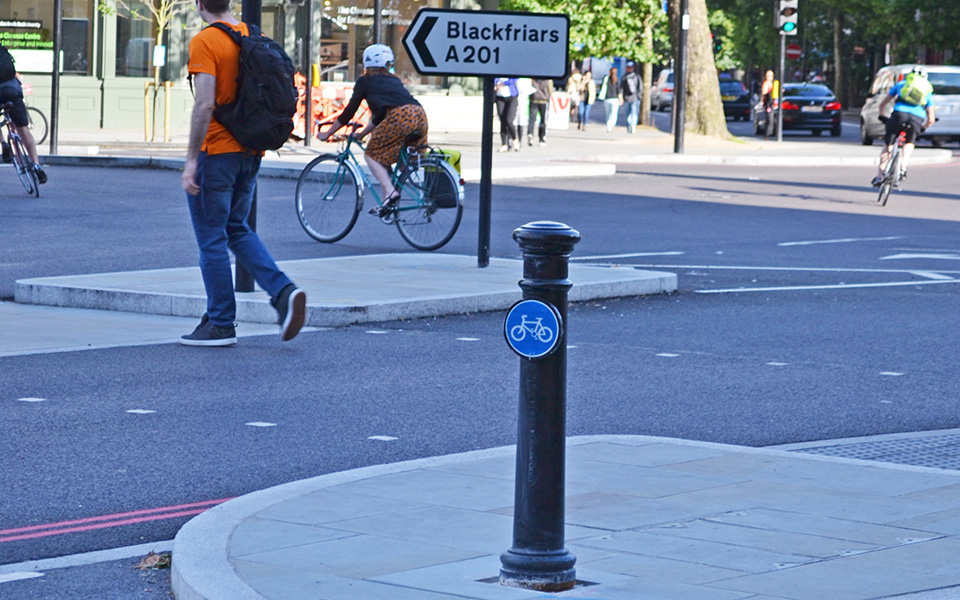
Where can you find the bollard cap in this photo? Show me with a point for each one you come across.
(546, 236)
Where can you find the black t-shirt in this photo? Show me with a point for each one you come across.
(381, 92)
(7, 70)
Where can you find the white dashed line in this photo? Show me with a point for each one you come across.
(31, 399)
(382, 438)
(19, 576)
(468, 339)
(141, 411)
(667, 355)
(629, 255)
(838, 286)
(891, 374)
(261, 424)
(840, 241)
(776, 364)
(376, 332)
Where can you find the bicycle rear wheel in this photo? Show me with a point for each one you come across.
(890, 176)
(328, 199)
(24, 166)
(38, 124)
(431, 203)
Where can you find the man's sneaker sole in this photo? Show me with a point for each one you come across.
(221, 342)
(296, 315)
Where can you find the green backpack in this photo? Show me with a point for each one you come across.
(915, 90)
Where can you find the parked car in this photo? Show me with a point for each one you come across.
(661, 92)
(736, 100)
(806, 106)
(946, 102)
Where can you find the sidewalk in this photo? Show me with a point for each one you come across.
(647, 518)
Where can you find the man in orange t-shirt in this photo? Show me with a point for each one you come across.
(219, 177)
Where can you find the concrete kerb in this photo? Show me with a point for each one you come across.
(202, 569)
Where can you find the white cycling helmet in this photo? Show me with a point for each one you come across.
(917, 69)
(377, 56)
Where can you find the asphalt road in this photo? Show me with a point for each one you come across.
(796, 320)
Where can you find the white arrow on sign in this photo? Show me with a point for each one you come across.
(493, 43)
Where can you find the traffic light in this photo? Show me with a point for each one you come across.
(787, 17)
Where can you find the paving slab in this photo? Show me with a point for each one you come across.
(777, 528)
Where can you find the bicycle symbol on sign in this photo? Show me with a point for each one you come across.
(534, 326)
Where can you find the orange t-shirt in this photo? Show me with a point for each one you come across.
(215, 53)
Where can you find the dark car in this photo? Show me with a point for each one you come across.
(736, 100)
(806, 106)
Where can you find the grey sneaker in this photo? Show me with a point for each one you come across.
(208, 334)
(291, 306)
(41, 174)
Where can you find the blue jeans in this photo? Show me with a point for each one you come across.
(633, 114)
(219, 216)
(584, 110)
(612, 108)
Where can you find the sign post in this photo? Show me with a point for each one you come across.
(488, 44)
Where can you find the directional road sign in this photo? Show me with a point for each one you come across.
(488, 43)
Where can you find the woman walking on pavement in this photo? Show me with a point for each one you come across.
(588, 95)
(610, 94)
(507, 95)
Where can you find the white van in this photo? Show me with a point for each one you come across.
(946, 101)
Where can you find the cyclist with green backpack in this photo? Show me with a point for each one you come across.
(912, 113)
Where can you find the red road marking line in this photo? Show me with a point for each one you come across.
(105, 521)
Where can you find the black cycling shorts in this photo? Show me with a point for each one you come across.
(902, 121)
(10, 91)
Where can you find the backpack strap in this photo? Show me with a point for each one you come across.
(234, 35)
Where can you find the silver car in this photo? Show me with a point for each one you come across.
(946, 101)
(661, 92)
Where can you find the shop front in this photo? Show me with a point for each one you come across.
(111, 48)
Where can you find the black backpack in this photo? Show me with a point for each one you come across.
(7, 70)
(261, 116)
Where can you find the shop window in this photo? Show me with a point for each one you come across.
(136, 37)
(26, 29)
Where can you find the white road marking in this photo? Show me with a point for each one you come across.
(261, 424)
(841, 241)
(668, 355)
(930, 275)
(786, 269)
(891, 373)
(382, 438)
(376, 332)
(839, 286)
(31, 399)
(468, 339)
(910, 256)
(19, 576)
(630, 255)
(776, 364)
(141, 411)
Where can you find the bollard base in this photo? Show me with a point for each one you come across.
(544, 572)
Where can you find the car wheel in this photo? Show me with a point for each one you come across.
(816, 132)
(836, 131)
(865, 138)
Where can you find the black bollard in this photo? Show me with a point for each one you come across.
(538, 560)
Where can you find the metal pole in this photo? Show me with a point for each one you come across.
(377, 21)
(486, 178)
(251, 15)
(783, 79)
(680, 80)
(308, 106)
(537, 559)
(55, 83)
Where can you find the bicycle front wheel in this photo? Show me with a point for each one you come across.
(24, 167)
(38, 124)
(431, 203)
(328, 199)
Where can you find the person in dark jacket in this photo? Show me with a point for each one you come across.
(507, 94)
(539, 106)
(11, 91)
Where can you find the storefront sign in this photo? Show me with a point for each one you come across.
(493, 43)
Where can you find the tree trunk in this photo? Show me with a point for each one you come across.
(647, 74)
(838, 75)
(704, 109)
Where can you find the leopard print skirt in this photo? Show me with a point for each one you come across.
(388, 137)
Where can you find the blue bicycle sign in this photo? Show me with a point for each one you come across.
(532, 328)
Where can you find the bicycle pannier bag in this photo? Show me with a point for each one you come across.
(7, 70)
(915, 89)
(444, 192)
(261, 116)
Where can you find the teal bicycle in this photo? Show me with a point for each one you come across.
(331, 189)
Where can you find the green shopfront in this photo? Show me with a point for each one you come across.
(109, 55)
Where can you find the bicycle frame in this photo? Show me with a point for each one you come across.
(346, 156)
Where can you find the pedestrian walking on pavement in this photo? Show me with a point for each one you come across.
(631, 87)
(507, 94)
(539, 107)
(588, 95)
(573, 89)
(219, 177)
(610, 95)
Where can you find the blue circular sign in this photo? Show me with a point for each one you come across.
(533, 328)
